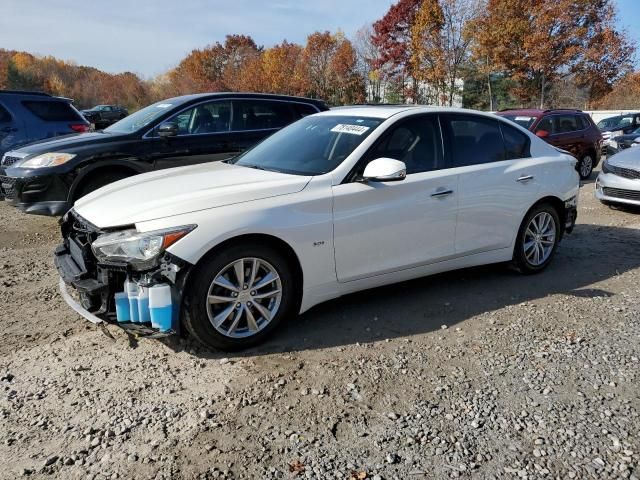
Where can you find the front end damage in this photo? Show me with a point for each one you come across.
(94, 284)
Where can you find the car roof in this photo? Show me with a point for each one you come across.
(388, 111)
(34, 94)
(204, 96)
(536, 112)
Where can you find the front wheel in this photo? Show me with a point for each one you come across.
(238, 296)
(585, 167)
(537, 239)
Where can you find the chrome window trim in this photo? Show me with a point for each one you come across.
(148, 133)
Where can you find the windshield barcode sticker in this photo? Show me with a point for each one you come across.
(352, 129)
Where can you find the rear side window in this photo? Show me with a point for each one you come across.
(51, 111)
(5, 116)
(304, 109)
(516, 143)
(583, 121)
(260, 115)
(473, 140)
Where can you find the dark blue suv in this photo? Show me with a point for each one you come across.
(26, 117)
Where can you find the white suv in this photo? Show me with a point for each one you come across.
(337, 202)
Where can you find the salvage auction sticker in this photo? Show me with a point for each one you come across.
(352, 129)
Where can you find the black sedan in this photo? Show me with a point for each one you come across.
(47, 177)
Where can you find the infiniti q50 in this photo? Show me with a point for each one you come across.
(340, 201)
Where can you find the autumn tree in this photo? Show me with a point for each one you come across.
(281, 69)
(625, 94)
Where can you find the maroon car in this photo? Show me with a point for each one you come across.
(570, 130)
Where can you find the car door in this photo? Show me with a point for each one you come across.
(203, 136)
(381, 227)
(256, 119)
(498, 180)
(12, 131)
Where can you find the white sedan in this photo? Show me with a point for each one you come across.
(340, 201)
(619, 181)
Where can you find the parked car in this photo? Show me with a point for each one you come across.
(620, 142)
(619, 181)
(570, 130)
(47, 177)
(29, 116)
(341, 201)
(104, 115)
(619, 125)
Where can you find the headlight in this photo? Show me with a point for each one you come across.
(140, 250)
(613, 144)
(617, 133)
(606, 168)
(51, 159)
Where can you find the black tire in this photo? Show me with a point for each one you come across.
(520, 261)
(194, 308)
(97, 181)
(585, 166)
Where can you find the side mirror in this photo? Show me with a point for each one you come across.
(168, 129)
(542, 133)
(385, 170)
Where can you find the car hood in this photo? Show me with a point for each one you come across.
(628, 158)
(629, 137)
(68, 143)
(182, 190)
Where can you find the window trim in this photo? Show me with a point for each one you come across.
(148, 134)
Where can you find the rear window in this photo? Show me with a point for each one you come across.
(4, 115)
(51, 111)
(524, 121)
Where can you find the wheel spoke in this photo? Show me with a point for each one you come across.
(236, 319)
(260, 296)
(251, 320)
(220, 299)
(255, 264)
(224, 283)
(266, 280)
(266, 314)
(239, 269)
(219, 319)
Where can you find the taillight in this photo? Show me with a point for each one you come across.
(79, 127)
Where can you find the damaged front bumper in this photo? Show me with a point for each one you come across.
(94, 285)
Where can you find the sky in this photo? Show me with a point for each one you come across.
(149, 37)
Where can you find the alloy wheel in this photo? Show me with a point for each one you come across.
(586, 166)
(244, 297)
(539, 239)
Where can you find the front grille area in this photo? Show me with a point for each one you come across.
(8, 160)
(624, 172)
(7, 187)
(620, 193)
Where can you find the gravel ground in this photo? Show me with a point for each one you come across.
(479, 373)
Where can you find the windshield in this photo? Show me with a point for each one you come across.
(311, 146)
(523, 120)
(613, 122)
(140, 119)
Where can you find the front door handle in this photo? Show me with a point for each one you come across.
(442, 193)
(524, 178)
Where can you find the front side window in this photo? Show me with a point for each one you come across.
(260, 115)
(212, 117)
(546, 125)
(311, 146)
(142, 118)
(415, 141)
(473, 140)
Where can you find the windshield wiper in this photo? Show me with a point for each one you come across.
(259, 167)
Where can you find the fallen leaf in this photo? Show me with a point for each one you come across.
(296, 467)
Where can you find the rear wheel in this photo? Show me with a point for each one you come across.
(96, 181)
(537, 239)
(236, 298)
(585, 166)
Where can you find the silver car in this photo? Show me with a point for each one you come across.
(619, 181)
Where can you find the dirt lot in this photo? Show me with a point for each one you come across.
(479, 373)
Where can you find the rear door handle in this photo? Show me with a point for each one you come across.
(442, 193)
(524, 178)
